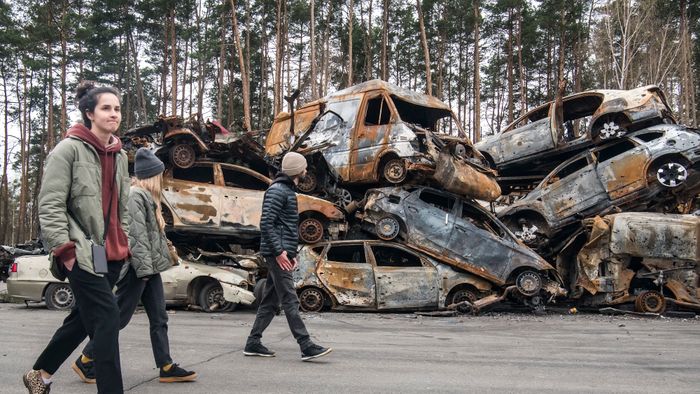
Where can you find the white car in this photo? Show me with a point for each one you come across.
(212, 288)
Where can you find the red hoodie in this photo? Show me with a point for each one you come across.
(117, 243)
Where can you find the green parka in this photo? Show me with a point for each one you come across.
(72, 182)
(149, 246)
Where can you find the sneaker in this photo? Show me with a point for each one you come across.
(177, 374)
(257, 349)
(314, 351)
(85, 371)
(34, 383)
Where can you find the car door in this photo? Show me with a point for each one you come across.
(241, 200)
(334, 134)
(348, 276)
(527, 140)
(193, 195)
(370, 136)
(404, 280)
(573, 188)
(621, 167)
(430, 219)
(479, 241)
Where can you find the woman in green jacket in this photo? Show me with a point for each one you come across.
(84, 224)
(150, 255)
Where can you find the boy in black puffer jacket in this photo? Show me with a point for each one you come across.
(278, 245)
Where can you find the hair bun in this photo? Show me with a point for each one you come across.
(82, 89)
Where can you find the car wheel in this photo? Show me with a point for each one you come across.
(461, 295)
(310, 230)
(671, 174)
(395, 171)
(650, 301)
(342, 197)
(387, 228)
(59, 297)
(182, 155)
(311, 299)
(308, 183)
(528, 283)
(211, 298)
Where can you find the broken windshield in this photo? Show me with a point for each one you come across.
(330, 125)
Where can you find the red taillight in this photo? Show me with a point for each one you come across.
(13, 267)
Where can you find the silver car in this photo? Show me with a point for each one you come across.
(652, 169)
(188, 283)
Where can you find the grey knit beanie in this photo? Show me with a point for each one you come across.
(146, 164)
(293, 163)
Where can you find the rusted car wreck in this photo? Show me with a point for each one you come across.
(646, 259)
(377, 132)
(538, 141)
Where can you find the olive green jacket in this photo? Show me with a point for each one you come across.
(149, 246)
(72, 182)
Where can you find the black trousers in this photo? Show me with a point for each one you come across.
(95, 314)
(279, 286)
(149, 291)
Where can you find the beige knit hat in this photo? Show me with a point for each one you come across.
(293, 163)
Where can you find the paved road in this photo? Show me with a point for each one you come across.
(389, 353)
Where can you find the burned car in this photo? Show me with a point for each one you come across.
(536, 142)
(182, 142)
(376, 132)
(188, 283)
(378, 276)
(650, 170)
(461, 233)
(225, 199)
(646, 259)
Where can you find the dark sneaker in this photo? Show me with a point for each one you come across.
(314, 351)
(177, 374)
(85, 371)
(35, 384)
(257, 349)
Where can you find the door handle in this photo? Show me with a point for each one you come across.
(414, 210)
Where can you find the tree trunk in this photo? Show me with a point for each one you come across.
(326, 54)
(245, 76)
(5, 223)
(279, 52)
(173, 62)
(64, 61)
(509, 67)
(24, 142)
(477, 78)
(368, 45)
(220, 75)
(426, 54)
(521, 70)
(351, 11)
(312, 37)
(385, 39)
(163, 104)
(184, 78)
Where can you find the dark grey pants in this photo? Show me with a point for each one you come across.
(150, 291)
(279, 286)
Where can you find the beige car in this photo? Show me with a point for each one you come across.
(226, 199)
(212, 288)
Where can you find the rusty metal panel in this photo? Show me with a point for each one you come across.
(193, 203)
(625, 173)
(309, 203)
(461, 178)
(242, 209)
(352, 284)
(406, 287)
(656, 235)
(530, 139)
(279, 136)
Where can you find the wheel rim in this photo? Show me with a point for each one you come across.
(463, 295)
(311, 300)
(387, 228)
(215, 299)
(611, 130)
(343, 197)
(395, 171)
(528, 232)
(650, 302)
(62, 297)
(529, 283)
(308, 183)
(311, 230)
(183, 155)
(672, 174)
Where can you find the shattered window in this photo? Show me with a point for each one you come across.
(378, 112)
(200, 174)
(648, 137)
(568, 170)
(387, 256)
(613, 150)
(481, 220)
(448, 125)
(347, 109)
(234, 178)
(423, 116)
(437, 200)
(346, 254)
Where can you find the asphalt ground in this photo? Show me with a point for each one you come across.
(401, 353)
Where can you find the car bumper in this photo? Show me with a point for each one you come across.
(26, 290)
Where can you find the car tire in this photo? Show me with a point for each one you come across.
(309, 182)
(212, 296)
(312, 299)
(394, 171)
(460, 295)
(650, 301)
(310, 230)
(387, 228)
(182, 155)
(59, 297)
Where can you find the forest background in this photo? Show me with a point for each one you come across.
(234, 60)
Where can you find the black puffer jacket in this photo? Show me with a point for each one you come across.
(280, 217)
